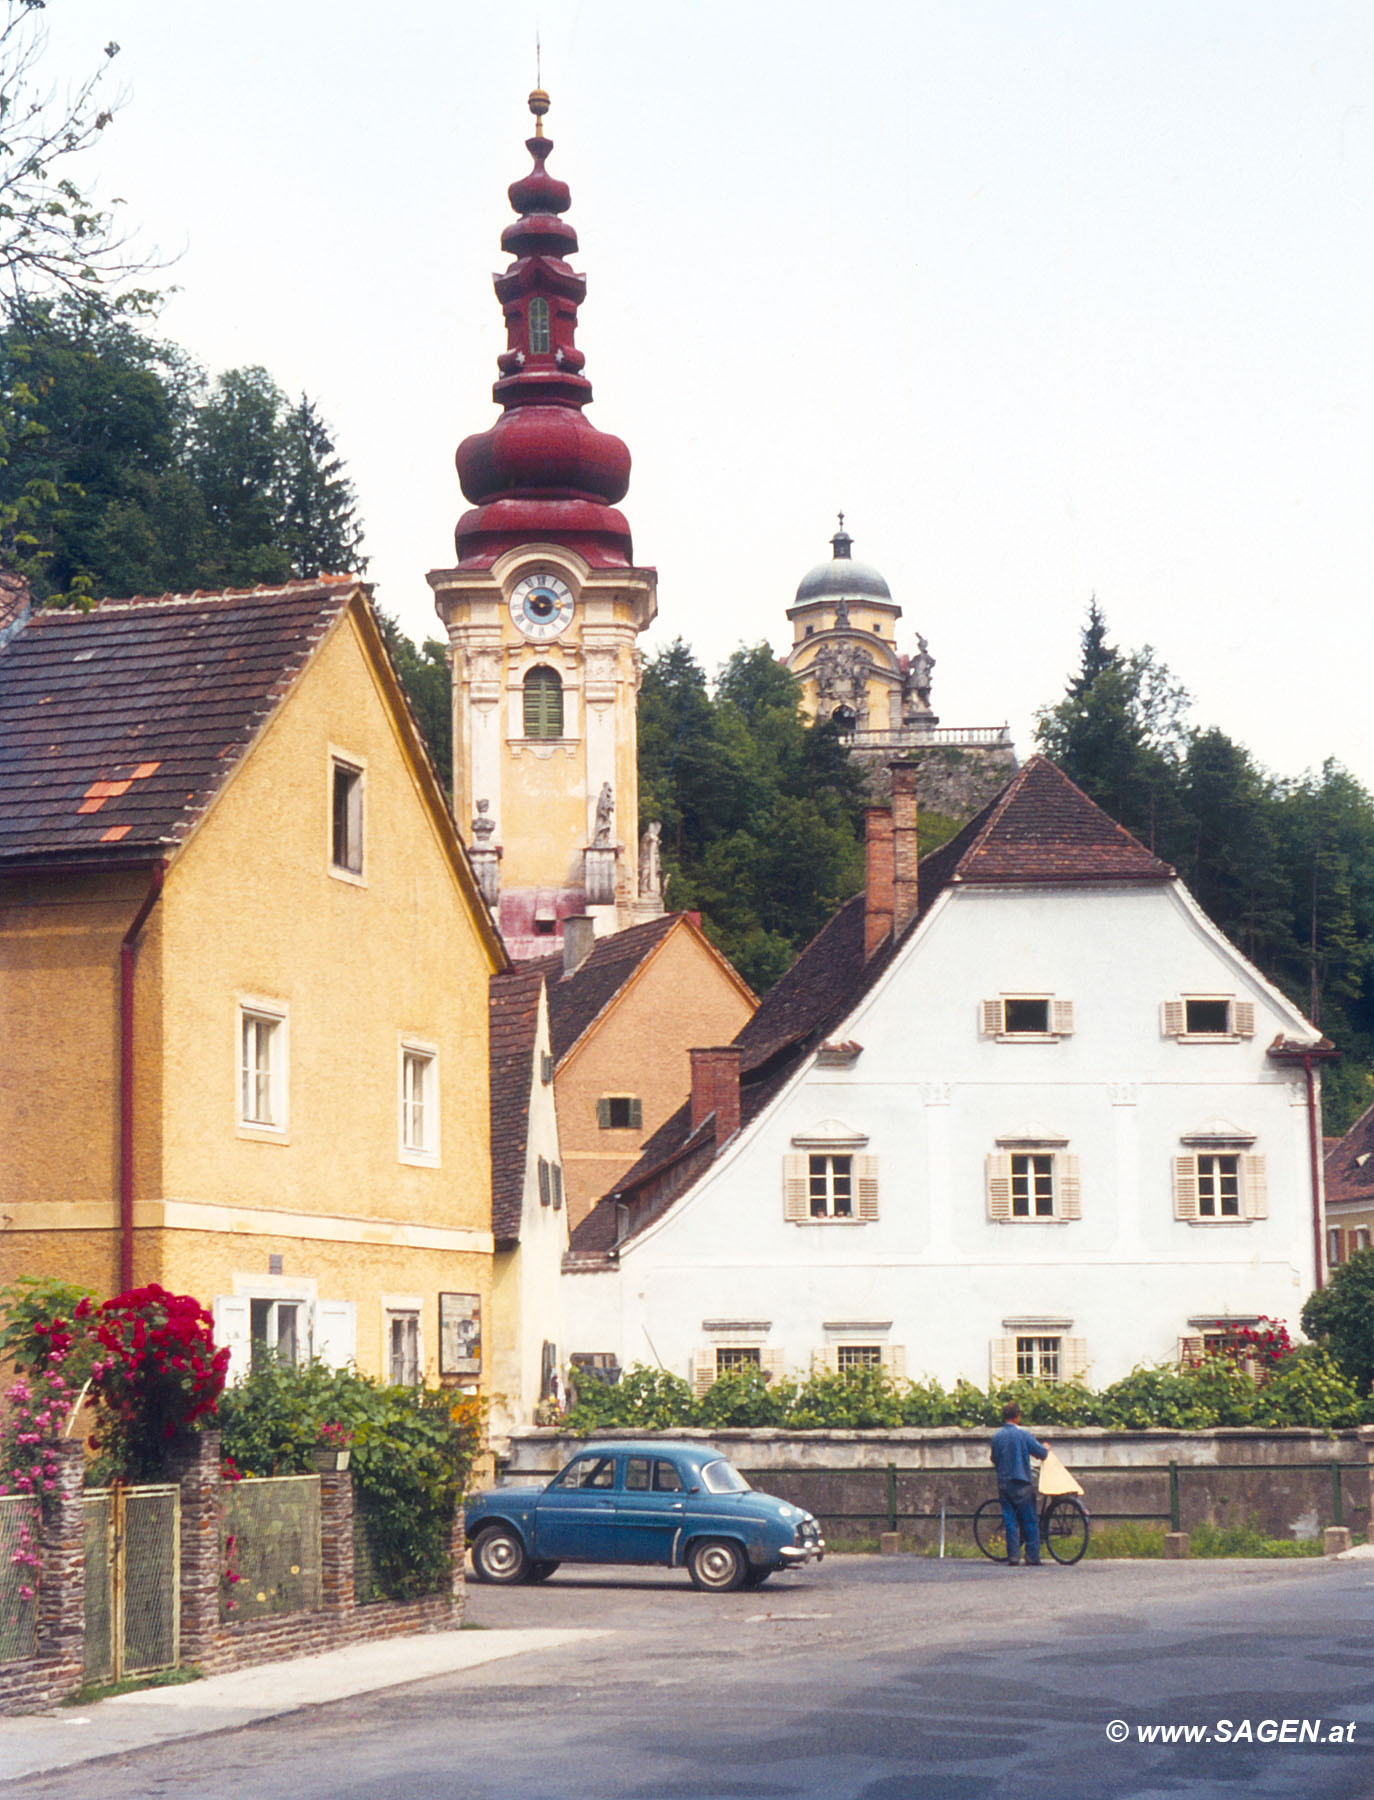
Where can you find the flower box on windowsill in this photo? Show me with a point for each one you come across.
(328, 1460)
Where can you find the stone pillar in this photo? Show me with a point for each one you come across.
(62, 1577)
(195, 1469)
(458, 1549)
(338, 1594)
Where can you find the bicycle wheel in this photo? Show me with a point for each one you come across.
(989, 1533)
(1064, 1529)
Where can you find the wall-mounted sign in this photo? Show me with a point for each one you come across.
(460, 1334)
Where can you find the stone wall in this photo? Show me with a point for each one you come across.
(956, 780)
(214, 1645)
(1291, 1484)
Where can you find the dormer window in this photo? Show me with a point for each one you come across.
(539, 326)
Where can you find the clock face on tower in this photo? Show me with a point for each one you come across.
(541, 605)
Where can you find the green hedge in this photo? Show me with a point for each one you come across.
(412, 1450)
(1305, 1388)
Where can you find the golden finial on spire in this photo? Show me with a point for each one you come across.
(539, 100)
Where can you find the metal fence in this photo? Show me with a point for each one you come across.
(133, 1581)
(270, 1546)
(19, 1528)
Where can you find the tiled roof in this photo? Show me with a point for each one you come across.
(577, 1001)
(1349, 1165)
(119, 726)
(513, 1008)
(1039, 829)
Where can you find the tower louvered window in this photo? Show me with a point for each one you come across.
(539, 326)
(543, 704)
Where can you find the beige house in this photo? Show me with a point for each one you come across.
(624, 1013)
(1349, 1171)
(529, 1217)
(246, 971)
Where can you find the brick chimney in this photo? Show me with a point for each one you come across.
(877, 878)
(905, 812)
(715, 1089)
(579, 937)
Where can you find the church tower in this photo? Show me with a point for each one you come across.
(543, 612)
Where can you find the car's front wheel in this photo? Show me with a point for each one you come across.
(499, 1556)
(717, 1564)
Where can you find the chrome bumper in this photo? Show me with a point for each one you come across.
(792, 1556)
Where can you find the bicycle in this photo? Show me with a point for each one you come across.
(1064, 1529)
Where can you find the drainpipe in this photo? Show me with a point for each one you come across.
(1314, 1151)
(128, 945)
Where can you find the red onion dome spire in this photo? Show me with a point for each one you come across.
(542, 472)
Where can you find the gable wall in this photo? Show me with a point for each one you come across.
(679, 998)
(932, 1096)
(252, 911)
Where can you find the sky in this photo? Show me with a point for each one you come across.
(1052, 301)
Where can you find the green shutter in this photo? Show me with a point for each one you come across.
(603, 1114)
(636, 1116)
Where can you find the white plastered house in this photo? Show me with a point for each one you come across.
(1023, 1111)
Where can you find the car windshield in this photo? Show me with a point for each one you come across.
(723, 1478)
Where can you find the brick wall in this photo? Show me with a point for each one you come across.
(34, 1683)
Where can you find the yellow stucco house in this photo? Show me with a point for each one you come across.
(245, 972)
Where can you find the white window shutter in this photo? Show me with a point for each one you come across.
(234, 1327)
(991, 1014)
(1073, 1358)
(772, 1363)
(1173, 1018)
(826, 1360)
(1191, 1348)
(336, 1332)
(795, 1189)
(999, 1185)
(1069, 1188)
(1002, 1359)
(703, 1370)
(1185, 1187)
(894, 1361)
(866, 1180)
(1255, 1176)
(1243, 1017)
(1061, 1018)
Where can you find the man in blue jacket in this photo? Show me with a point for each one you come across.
(1012, 1448)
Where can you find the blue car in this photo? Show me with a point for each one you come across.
(674, 1505)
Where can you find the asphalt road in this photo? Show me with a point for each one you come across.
(865, 1679)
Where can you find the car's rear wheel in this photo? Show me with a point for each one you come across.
(717, 1564)
(757, 1576)
(540, 1571)
(499, 1556)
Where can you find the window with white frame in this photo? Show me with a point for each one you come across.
(345, 817)
(858, 1356)
(1359, 1239)
(419, 1103)
(1333, 1245)
(1037, 1350)
(826, 1179)
(856, 1344)
(1033, 1178)
(1034, 1017)
(401, 1346)
(262, 1067)
(1219, 1181)
(734, 1350)
(1207, 1018)
(277, 1330)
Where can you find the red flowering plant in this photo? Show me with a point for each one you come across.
(1256, 1348)
(156, 1374)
